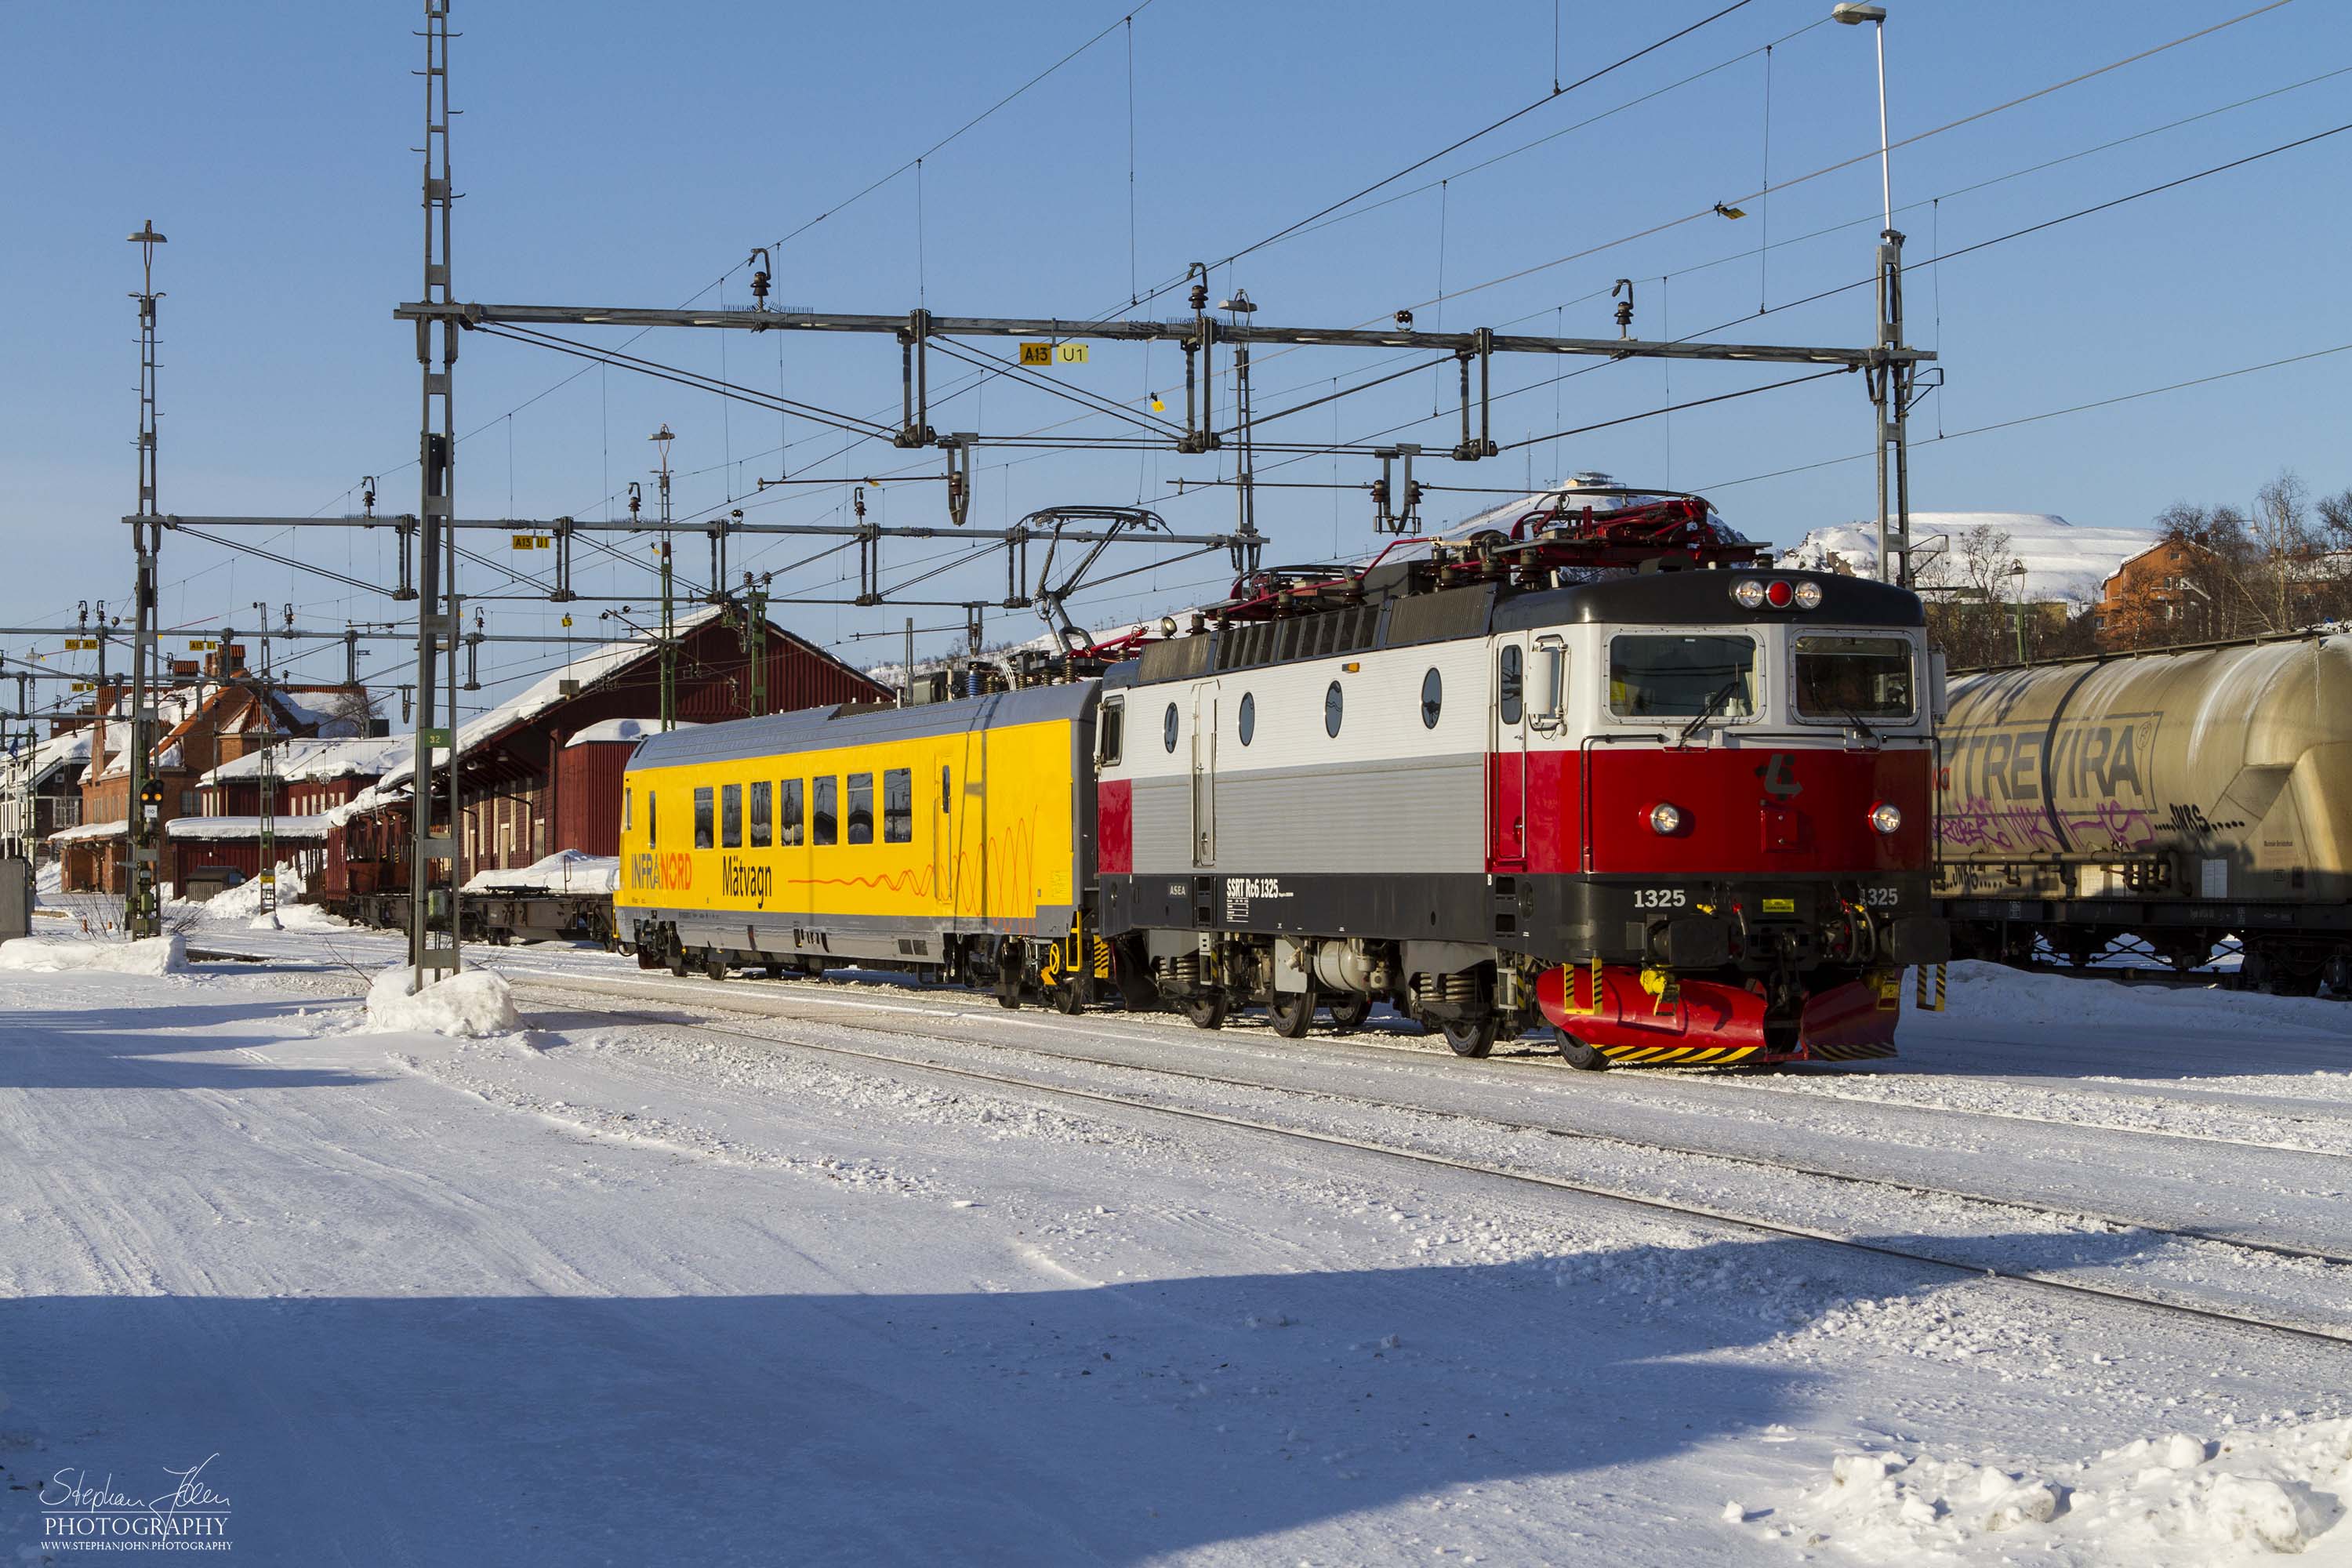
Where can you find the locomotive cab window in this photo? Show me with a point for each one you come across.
(1110, 730)
(1853, 677)
(1511, 683)
(730, 816)
(1678, 676)
(861, 808)
(653, 821)
(628, 805)
(788, 814)
(823, 809)
(899, 806)
(702, 823)
(762, 812)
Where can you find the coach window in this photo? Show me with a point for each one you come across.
(730, 816)
(1511, 683)
(653, 820)
(861, 808)
(702, 835)
(1334, 701)
(1167, 728)
(762, 812)
(1246, 720)
(788, 814)
(899, 806)
(1853, 677)
(1676, 676)
(823, 810)
(1110, 733)
(1432, 698)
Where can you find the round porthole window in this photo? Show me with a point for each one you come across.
(1247, 718)
(1432, 698)
(1167, 728)
(1332, 704)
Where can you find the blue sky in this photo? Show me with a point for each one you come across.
(620, 155)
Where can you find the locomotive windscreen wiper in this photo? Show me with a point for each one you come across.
(1723, 694)
(1868, 733)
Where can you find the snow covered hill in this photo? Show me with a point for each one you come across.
(2061, 561)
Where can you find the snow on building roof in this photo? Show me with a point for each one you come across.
(629, 730)
(2061, 562)
(245, 827)
(88, 830)
(538, 697)
(309, 761)
(30, 765)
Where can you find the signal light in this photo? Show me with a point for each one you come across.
(1885, 816)
(1778, 593)
(1748, 593)
(1667, 820)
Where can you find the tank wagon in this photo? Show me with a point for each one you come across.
(1593, 770)
(2178, 795)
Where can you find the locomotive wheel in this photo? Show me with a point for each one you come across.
(714, 963)
(1206, 1012)
(1579, 1056)
(1066, 1000)
(1470, 1039)
(1008, 999)
(1348, 1012)
(1292, 1012)
(647, 958)
(678, 960)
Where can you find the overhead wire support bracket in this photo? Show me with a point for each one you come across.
(1472, 448)
(915, 381)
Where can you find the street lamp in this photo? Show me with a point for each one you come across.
(1853, 15)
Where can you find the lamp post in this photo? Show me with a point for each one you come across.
(1890, 378)
(1853, 15)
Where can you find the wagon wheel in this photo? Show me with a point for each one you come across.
(677, 958)
(1348, 1012)
(1292, 1012)
(1474, 1039)
(1579, 1055)
(1207, 1012)
(714, 963)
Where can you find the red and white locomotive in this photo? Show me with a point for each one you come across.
(1603, 770)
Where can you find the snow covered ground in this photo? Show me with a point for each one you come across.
(762, 1272)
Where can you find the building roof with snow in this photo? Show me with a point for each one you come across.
(2063, 562)
(629, 730)
(314, 761)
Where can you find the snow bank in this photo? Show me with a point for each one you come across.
(1983, 993)
(243, 901)
(300, 917)
(2254, 1494)
(472, 1002)
(53, 955)
(565, 872)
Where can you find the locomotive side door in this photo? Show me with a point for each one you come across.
(1507, 759)
(1204, 774)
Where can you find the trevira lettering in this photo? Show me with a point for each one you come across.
(742, 881)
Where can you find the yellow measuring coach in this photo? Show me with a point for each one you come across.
(955, 837)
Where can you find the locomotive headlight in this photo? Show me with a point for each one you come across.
(1750, 593)
(1667, 820)
(1808, 595)
(1886, 817)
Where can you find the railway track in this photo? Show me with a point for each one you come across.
(1720, 1080)
(1648, 1202)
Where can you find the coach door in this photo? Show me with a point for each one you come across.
(1506, 759)
(1204, 774)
